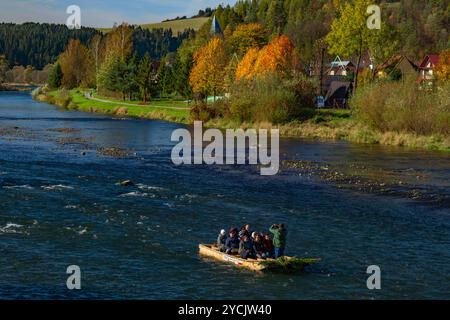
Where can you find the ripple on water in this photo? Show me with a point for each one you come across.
(137, 194)
(147, 187)
(19, 187)
(57, 187)
(12, 228)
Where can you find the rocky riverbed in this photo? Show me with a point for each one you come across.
(408, 183)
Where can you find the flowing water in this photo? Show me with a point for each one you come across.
(60, 205)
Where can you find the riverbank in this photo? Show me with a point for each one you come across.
(16, 87)
(326, 125)
(173, 111)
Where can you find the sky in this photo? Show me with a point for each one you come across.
(102, 13)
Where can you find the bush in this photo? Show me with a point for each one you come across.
(203, 112)
(272, 99)
(404, 107)
(36, 92)
(64, 98)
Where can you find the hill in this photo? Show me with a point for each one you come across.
(176, 25)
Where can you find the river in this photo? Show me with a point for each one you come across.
(60, 205)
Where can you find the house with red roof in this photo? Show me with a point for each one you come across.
(427, 69)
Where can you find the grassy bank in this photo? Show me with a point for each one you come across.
(326, 125)
(173, 111)
(341, 125)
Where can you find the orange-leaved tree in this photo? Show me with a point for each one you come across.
(277, 58)
(207, 75)
(246, 68)
(443, 68)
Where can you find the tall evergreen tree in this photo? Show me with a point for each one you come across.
(55, 77)
(144, 77)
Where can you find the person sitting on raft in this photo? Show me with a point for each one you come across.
(269, 248)
(245, 231)
(232, 243)
(221, 241)
(258, 247)
(246, 248)
(279, 239)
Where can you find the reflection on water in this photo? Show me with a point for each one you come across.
(61, 204)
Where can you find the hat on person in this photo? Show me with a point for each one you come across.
(223, 232)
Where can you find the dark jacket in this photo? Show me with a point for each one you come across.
(258, 247)
(246, 246)
(232, 243)
(279, 237)
(268, 246)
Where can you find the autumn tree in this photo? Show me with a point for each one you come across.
(76, 65)
(246, 36)
(207, 75)
(119, 41)
(443, 68)
(246, 68)
(3, 68)
(230, 73)
(278, 58)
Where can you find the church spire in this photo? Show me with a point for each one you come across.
(216, 29)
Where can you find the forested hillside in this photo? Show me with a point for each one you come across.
(418, 27)
(36, 45)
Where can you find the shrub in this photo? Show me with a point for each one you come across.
(202, 112)
(404, 107)
(63, 98)
(36, 92)
(271, 99)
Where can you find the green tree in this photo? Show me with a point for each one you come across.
(130, 74)
(144, 77)
(165, 79)
(181, 70)
(350, 35)
(276, 16)
(55, 77)
(113, 76)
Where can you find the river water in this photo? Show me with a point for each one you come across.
(60, 205)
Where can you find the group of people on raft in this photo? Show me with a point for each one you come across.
(254, 245)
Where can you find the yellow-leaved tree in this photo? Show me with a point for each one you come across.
(76, 65)
(246, 36)
(207, 75)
